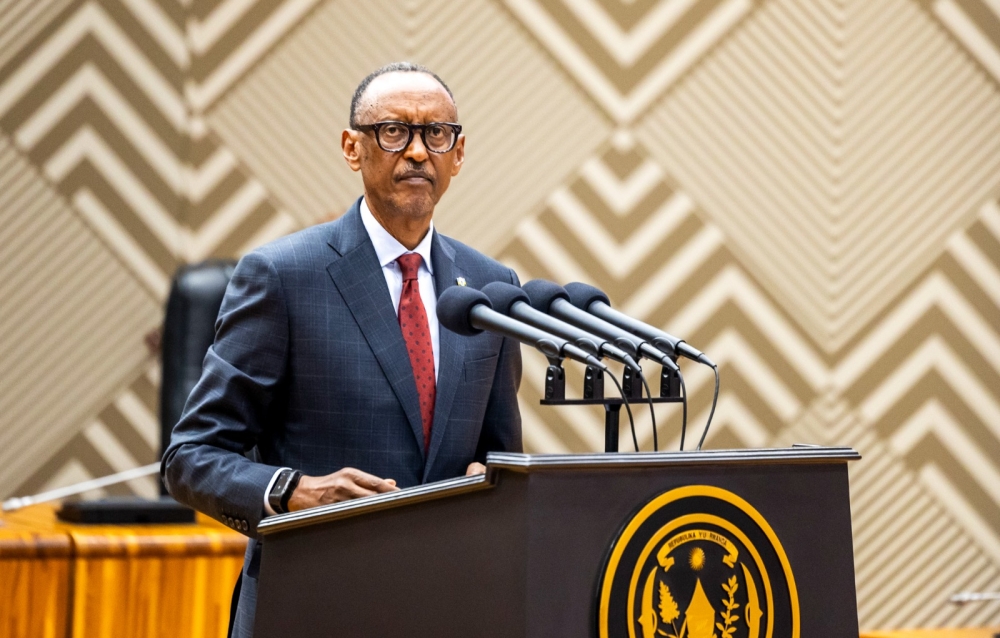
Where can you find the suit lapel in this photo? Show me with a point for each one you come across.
(358, 276)
(451, 351)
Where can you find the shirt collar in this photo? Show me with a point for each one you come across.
(388, 247)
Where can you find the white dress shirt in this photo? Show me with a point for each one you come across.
(388, 250)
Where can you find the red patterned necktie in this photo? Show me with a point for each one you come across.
(417, 335)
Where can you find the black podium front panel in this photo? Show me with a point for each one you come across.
(669, 544)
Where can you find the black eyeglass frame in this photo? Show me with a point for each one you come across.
(411, 128)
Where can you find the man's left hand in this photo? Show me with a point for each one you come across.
(475, 468)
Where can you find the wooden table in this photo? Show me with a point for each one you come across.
(34, 580)
(103, 581)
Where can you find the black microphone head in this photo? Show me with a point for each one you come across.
(503, 296)
(582, 295)
(542, 293)
(454, 306)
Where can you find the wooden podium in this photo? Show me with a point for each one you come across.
(724, 543)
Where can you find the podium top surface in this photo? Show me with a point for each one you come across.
(532, 463)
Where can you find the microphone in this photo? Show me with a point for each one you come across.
(510, 300)
(547, 297)
(596, 302)
(468, 312)
(592, 300)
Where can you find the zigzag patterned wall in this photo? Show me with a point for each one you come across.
(809, 190)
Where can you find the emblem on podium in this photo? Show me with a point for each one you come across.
(697, 562)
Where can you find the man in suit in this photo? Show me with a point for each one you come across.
(329, 378)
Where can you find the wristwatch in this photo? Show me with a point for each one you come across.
(282, 490)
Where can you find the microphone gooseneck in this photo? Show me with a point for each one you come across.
(715, 401)
(628, 409)
(652, 412)
(684, 415)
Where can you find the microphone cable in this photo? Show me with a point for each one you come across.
(715, 400)
(631, 421)
(652, 413)
(684, 417)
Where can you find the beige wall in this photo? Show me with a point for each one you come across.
(807, 190)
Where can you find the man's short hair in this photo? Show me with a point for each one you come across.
(395, 67)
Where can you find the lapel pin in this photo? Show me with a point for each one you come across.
(460, 281)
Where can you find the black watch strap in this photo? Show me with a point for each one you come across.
(282, 490)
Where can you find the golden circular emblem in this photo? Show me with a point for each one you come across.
(697, 562)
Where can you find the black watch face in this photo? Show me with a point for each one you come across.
(276, 497)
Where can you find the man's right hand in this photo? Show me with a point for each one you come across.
(342, 485)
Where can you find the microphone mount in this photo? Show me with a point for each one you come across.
(593, 394)
(552, 299)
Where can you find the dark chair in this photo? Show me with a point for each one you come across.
(188, 330)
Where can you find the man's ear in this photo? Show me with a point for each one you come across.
(350, 143)
(459, 155)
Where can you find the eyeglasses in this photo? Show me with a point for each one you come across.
(393, 137)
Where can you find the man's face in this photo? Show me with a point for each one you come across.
(410, 182)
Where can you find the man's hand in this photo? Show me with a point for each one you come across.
(475, 468)
(342, 485)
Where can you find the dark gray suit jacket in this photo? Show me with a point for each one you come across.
(309, 370)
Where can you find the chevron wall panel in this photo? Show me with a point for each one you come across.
(807, 189)
(518, 111)
(72, 320)
(839, 164)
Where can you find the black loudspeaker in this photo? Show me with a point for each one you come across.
(188, 331)
(126, 510)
